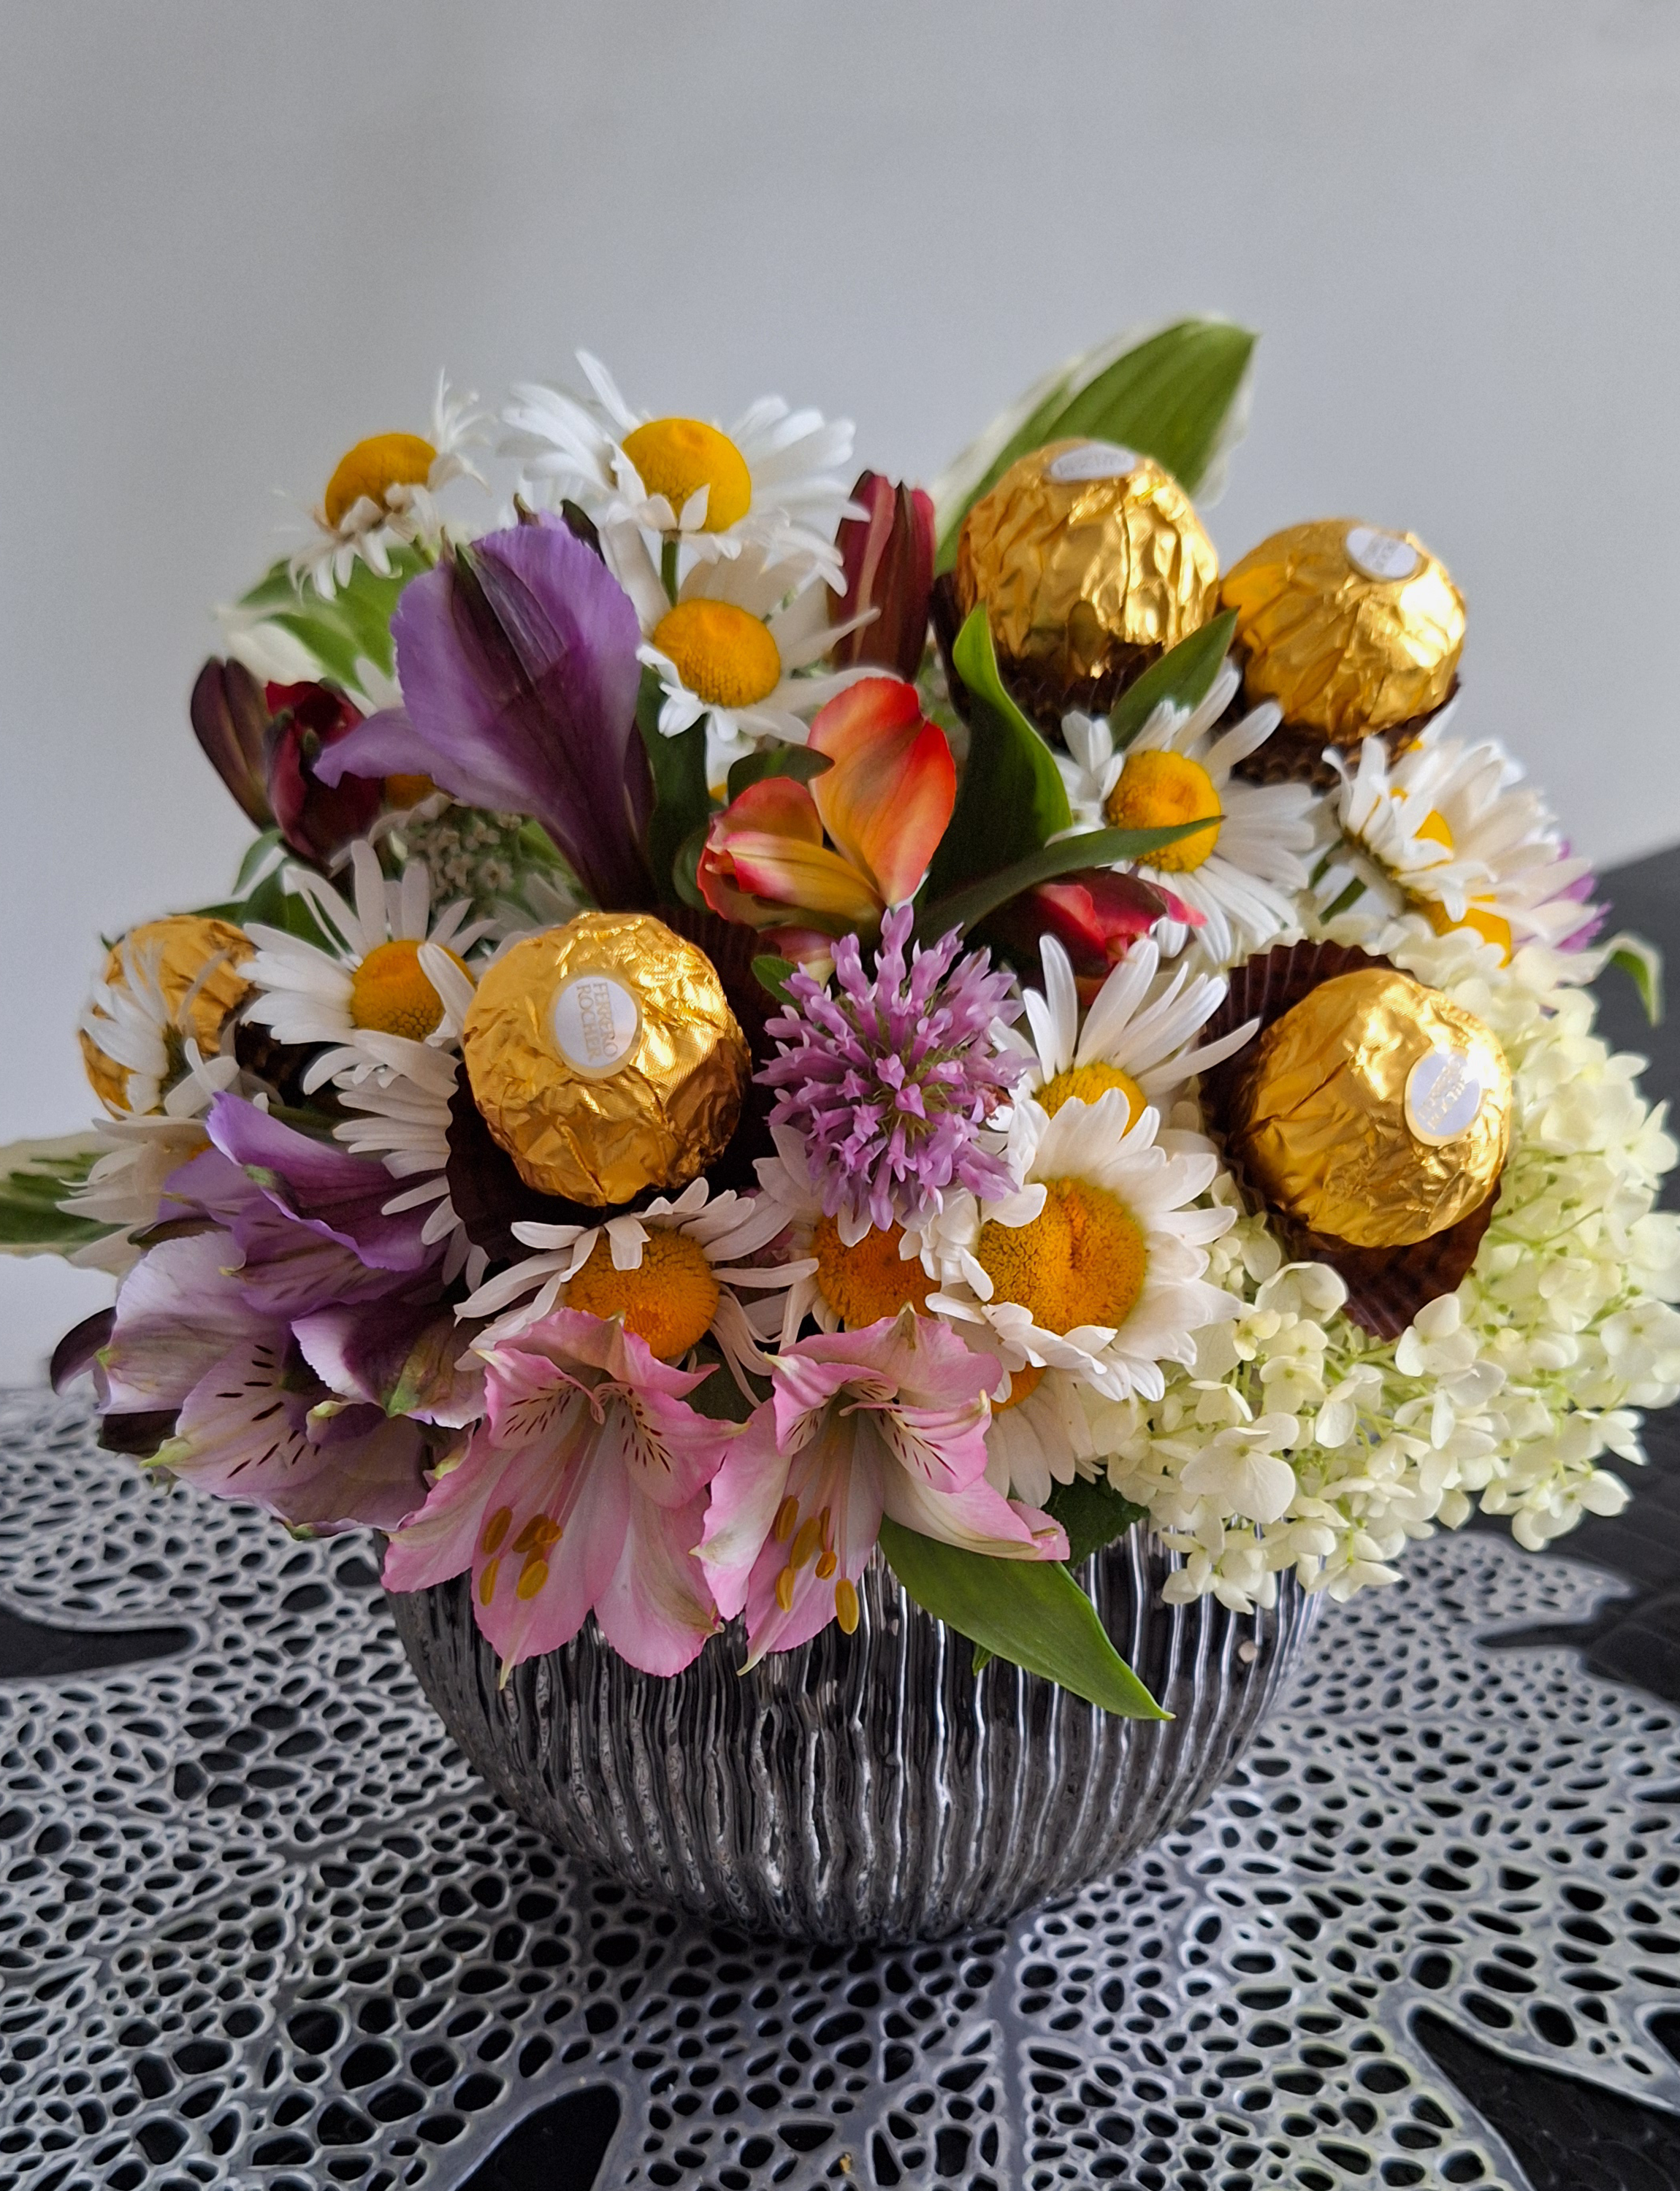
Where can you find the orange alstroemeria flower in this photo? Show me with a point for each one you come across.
(832, 855)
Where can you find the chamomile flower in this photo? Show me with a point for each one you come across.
(673, 1272)
(1242, 871)
(734, 648)
(1448, 830)
(383, 493)
(125, 1185)
(159, 1017)
(843, 1284)
(1094, 1266)
(401, 1114)
(1136, 1037)
(389, 967)
(777, 479)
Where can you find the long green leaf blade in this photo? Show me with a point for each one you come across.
(35, 1177)
(682, 803)
(1012, 798)
(1030, 1611)
(1091, 848)
(1184, 676)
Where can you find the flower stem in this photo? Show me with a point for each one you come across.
(668, 570)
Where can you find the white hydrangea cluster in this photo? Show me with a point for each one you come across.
(1298, 1441)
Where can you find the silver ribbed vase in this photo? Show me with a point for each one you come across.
(865, 1787)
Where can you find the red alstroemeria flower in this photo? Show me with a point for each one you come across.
(832, 855)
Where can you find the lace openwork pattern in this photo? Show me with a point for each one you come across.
(259, 1924)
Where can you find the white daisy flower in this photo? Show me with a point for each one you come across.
(733, 648)
(1136, 1037)
(124, 1188)
(389, 967)
(671, 1271)
(1241, 873)
(404, 1107)
(777, 478)
(1445, 831)
(383, 493)
(843, 1284)
(1095, 1265)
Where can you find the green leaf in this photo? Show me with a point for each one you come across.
(682, 805)
(353, 626)
(1011, 797)
(799, 762)
(1642, 963)
(771, 972)
(1091, 848)
(260, 861)
(686, 866)
(1093, 1515)
(1031, 1612)
(1183, 675)
(1172, 398)
(35, 1177)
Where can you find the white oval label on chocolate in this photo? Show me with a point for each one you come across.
(596, 1021)
(1091, 460)
(1443, 1093)
(1382, 555)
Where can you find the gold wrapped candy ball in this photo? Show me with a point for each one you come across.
(1349, 628)
(1091, 562)
(605, 1058)
(1374, 1111)
(190, 964)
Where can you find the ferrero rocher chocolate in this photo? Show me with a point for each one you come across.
(605, 1059)
(1091, 562)
(1350, 629)
(187, 949)
(1373, 1111)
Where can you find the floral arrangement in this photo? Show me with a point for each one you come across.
(755, 1031)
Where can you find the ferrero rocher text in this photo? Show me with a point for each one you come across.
(1091, 562)
(605, 1058)
(1374, 1111)
(176, 953)
(1349, 628)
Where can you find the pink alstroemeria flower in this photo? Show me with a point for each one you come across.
(584, 1489)
(890, 1420)
(884, 805)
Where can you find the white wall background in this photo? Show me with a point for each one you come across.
(234, 238)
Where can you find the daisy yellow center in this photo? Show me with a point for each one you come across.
(1081, 1261)
(677, 457)
(669, 1301)
(723, 655)
(1492, 927)
(1435, 829)
(1023, 1383)
(1089, 1083)
(374, 466)
(863, 1284)
(390, 995)
(1159, 791)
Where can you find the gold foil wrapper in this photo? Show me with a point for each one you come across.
(1374, 1111)
(1349, 628)
(605, 1058)
(1089, 560)
(175, 953)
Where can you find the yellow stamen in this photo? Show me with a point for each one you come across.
(864, 1283)
(669, 1301)
(1434, 829)
(1081, 1261)
(784, 1589)
(537, 1534)
(677, 457)
(1088, 1084)
(1491, 927)
(1023, 1383)
(1157, 790)
(787, 1516)
(373, 468)
(826, 1566)
(724, 656)
(497, 1528)
(486, 1582)
(532, 1577)
(846, 1606)
(407, 790)
(807, 1543)
(389, 994)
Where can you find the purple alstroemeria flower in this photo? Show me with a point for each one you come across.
(517, 658)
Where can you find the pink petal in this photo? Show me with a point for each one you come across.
(657, 1611)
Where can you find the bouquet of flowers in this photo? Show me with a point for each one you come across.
(773, 1018)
